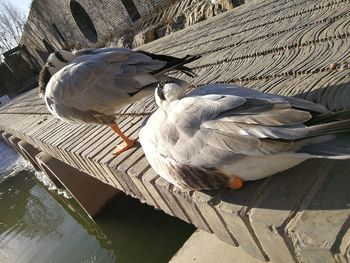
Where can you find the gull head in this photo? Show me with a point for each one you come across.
(58, 60)
(167, 92)
(54, 63)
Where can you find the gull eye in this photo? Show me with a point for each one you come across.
(160, 90)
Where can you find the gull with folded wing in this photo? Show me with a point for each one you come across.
(220, 135)
(91, 85)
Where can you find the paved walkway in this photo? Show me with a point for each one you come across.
(203, 247)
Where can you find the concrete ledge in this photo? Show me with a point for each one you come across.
(6, 136)
(1, 137)
(29, 153)
(14, 143)
(90, 193)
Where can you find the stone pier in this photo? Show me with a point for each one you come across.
(92, 195)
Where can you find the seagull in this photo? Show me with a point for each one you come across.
(91, 85)
(220, 135)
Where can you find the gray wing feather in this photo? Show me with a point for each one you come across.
(102, 81)
(73, 115)
(200, 132)
(274, 117)
(306, 105)
(219, 135)
(191, 112)
(89, 51)
(221, 88)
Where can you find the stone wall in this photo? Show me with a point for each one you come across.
(6, 78)
(18, 72)
(69, 24)
(56, 24)
(176, 17)
(83, 23)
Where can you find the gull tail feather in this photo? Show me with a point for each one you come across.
(329, 128)
(329, 117)
(330, 138)
(336, 146)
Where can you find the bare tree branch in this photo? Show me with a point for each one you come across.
(12, 21)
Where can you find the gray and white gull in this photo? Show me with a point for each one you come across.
(220, 135)
(91, 85)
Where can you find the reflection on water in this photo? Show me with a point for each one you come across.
(42, 227)
(8, 158)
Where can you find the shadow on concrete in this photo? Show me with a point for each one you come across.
(326, 182)
(333, 97)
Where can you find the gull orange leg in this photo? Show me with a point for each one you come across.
(127, 144)
(236, 183)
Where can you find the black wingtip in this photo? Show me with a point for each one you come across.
(186, 70)
(190, 58)
(329, 117)
(173, 63)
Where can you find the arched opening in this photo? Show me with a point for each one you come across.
(83, 21)
(42, 54)
(131, 9)
(59, 36)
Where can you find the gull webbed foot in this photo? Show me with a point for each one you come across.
(236, 183)
(127, 144)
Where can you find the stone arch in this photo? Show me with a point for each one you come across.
(59, 36)
(131, 9)
(83, 21)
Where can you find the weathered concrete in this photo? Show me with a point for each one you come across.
(14, 143)
(29, 153)
(318, 235)
(203, 247)
(177, 16)
(296, 48)
(5, 138)
(54, 24)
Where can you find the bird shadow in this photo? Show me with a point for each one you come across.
(315, 184)
(334, 97)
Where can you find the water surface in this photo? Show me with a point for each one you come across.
(43, 226)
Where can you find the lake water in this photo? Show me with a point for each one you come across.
(38, 225)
